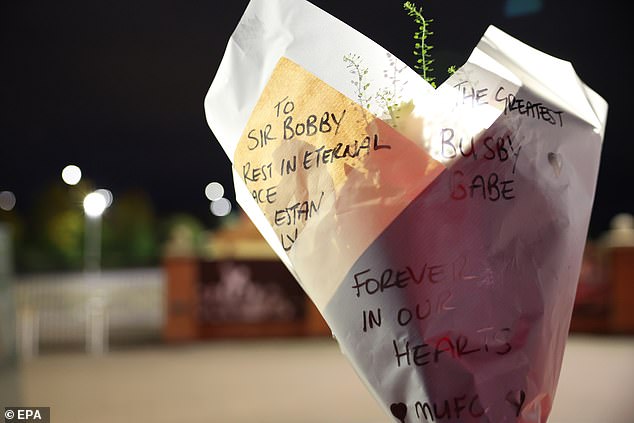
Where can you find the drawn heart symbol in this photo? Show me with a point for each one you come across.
(555, 161)
(399, 410)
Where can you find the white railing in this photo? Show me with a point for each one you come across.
(92, 309)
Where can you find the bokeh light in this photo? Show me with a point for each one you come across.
(7, 200)
(107, 194)
(95, 204)
(220, 207)
(71, 175)
(214, 191)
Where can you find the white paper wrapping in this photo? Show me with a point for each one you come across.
(444, 256)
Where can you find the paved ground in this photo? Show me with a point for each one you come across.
(281, 381)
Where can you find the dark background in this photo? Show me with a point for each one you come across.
(118, 87)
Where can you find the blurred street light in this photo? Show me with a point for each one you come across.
(95, 204)
(220, 207)
(214, 191)
(107, 194)
(71, 175)
(7, 200)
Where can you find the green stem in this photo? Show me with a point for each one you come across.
(423, 51)
(417, 14)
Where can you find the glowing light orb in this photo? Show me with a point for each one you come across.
(214, 191)
(71, 175)
(107, 194)
(7, 200)
(95, 204)
(220, 207)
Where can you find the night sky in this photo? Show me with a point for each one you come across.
(117, 87)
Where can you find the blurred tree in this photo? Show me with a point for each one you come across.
(64, 233)
(51, 237)
(54, 237)
(14, 221)
(183, 226)
(129, 232)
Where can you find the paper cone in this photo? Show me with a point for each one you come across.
(443, 242)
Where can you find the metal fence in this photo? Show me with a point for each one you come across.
(92, 310)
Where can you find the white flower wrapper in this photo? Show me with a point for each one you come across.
(439, 232)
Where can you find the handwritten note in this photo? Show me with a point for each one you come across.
(396, 304)
(306, 146)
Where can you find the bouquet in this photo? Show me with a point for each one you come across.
(439, 231)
